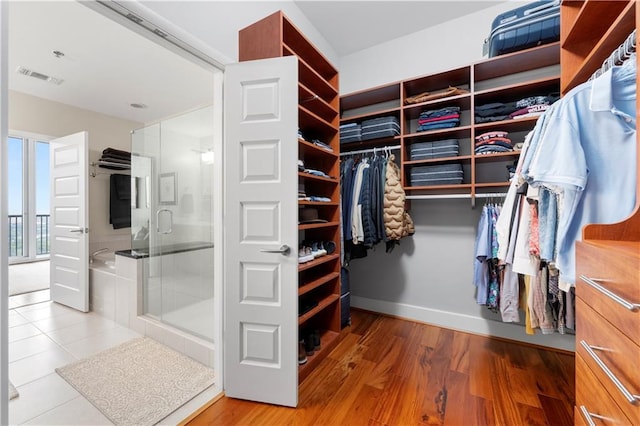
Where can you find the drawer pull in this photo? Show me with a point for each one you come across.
(633, 307)
(590, 416)
(631, 398)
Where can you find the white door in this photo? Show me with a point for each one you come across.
(69, 273)
(261, 219)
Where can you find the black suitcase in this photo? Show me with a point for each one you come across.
(527, 26)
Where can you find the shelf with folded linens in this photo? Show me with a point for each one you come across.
(505, 94)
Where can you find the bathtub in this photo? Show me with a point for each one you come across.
(102, 285)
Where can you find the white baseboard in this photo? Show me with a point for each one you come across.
(466, 323)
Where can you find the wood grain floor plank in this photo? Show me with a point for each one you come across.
(531, 416)
(387, 371)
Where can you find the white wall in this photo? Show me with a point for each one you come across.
(440, 48)
(37, 115)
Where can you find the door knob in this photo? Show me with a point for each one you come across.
(284, 250)
(80, 230)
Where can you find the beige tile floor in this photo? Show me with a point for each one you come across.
(46, 335)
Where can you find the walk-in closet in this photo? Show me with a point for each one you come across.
(426, 213)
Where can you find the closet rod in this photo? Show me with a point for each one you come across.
(618, 56)
(364, 151)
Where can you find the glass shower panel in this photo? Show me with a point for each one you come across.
(179, 289)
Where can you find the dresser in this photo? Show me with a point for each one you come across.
(608, 332)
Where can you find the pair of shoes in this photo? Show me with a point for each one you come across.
(311, 342)
(302, 353)
(305, 255)
(318, 250)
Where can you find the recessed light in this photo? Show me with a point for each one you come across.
(137, 105)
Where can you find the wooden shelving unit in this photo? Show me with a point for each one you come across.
(318, 119)
(505, 78)
(608, 257)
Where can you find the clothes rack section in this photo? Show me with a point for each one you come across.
(618, 56)
(373, 202)
(567, 176)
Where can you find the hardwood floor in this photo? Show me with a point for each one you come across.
(387, 371)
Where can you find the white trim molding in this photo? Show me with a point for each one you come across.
(465, 323)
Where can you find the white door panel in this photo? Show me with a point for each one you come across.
(69, 239)
(261, 216)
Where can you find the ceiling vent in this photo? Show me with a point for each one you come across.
(39, 76)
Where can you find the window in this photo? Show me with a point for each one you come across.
(28, 181)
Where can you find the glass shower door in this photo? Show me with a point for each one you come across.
(180, 285)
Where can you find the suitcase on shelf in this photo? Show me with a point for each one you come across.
(524, 27)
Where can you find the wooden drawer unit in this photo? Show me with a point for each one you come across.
(608, 279)
(611, 357)
(593, 401)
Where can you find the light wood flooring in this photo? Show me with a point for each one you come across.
(388, 371)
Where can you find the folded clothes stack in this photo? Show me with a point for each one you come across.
(350, 133)
(115, 159)
(382, 127)
(442, 118)
(444, 174)
(435, 149)
(492, 143)
(527, 107)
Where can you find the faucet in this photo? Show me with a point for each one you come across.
(92, 255)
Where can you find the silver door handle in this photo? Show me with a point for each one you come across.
(158, 221)
(80, 230)
(285, 250)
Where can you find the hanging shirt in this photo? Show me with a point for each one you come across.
(591, 138)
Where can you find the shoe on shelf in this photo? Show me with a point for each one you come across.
(305, 255)
(302, 353)
(317, 250)
(316, 339)
(309, 347)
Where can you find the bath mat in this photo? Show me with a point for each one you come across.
(139, 382)
(13, 392)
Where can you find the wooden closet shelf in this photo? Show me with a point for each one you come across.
(368, 116)
(593, 19)
(308, 148)
(312, 285)
(318, 225)
(309, 176)
(316, 104)
(459, 158)
(611, 39)
(322, 304)
(318, 261)
(328, 340)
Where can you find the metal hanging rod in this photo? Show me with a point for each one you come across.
(456, 196)
(365, 151)
(618, 56)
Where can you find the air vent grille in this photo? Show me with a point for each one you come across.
(30, 73)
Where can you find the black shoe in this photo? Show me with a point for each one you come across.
(308, 344)
(316, 339)
(302, 354)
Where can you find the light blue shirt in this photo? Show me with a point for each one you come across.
(588, 154)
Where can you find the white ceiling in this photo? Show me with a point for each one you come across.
(350, 26)
(106, 67)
